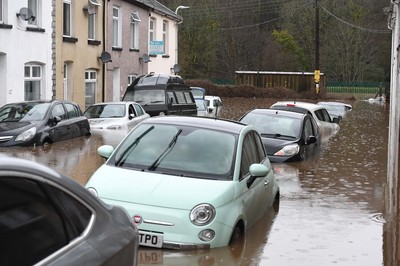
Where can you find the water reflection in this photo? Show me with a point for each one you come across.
(76, 158)
(248, 251)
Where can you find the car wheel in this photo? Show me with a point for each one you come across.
(275, 204)
(236, 244)
(46, 142)
(236, 234)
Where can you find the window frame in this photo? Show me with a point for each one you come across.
(165, 35)
(152, 29)
(90, 78)
(67, 21)
(134, 29)
(34, 6)
(2, 11)
(131, 78)
(116, 28)
(92, 26)
(32, 78)
(251, 142)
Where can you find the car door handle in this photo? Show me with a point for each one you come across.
(266, 183)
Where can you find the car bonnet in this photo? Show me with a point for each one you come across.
(149, 188)
(16, 127)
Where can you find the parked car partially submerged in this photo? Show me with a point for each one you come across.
(327, 127)
(202, 109)
(162, 94)
(337, 109)
(188, 182)
(49, 219)
(41, 122)
(115, 115)
(198, 92)
(287, 136)
(214, 105)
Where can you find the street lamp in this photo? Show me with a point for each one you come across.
(177, 24)
(180, 7)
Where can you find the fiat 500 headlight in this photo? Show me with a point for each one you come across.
(202, 214)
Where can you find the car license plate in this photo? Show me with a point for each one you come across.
(150, 240)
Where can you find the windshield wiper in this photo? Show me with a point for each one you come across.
(276, 135)
(154, 165)
(131, 147)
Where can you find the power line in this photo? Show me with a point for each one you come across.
(309, 2)
(242, 8)
(352, 25)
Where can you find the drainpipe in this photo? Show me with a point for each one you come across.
(104, 49)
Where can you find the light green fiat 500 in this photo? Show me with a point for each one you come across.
(188, 182)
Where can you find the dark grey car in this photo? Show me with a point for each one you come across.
(49, 219)
(41, 122)
(287, 136)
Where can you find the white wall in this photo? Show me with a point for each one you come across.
(163, 64)
(19, 46)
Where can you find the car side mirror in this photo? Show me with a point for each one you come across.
(337, 119)
(311, 140)
(257, 170)
(131, 116)
(55, 120)
(105, 151)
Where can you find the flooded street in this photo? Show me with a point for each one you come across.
(332, 208)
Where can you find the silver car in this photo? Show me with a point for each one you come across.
(49, 219)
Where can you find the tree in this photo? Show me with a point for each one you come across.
(219, 37)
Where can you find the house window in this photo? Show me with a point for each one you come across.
(67, 18)
(32, 82)
(33, 6)
(1, 11)
(131, 78)
(92, 26)
(165, 36)
(92, 19)
(90, 87)
(135, 30)
(152, 29)
(116, 27)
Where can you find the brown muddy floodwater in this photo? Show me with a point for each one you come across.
(332, 209)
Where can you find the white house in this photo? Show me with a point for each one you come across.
(163, 30)
(25, 50)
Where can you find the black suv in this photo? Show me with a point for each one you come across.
(162, 94)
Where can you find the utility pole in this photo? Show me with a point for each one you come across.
(317, 71)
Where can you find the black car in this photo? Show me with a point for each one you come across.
(41, 122)
(287, 136)
(162, 94)
(49, 219)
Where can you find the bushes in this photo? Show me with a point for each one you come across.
(248, 91)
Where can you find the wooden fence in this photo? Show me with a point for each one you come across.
(297, 81)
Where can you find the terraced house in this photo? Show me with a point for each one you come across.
(86, 51)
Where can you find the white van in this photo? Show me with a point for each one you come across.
(214, 105)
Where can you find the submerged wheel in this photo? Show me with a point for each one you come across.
(275, 204)
(46, 142)
(237, 234)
